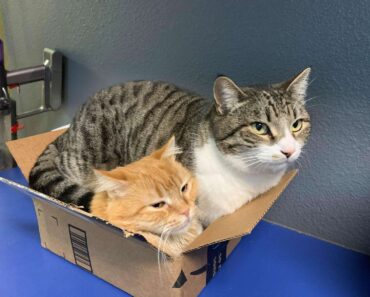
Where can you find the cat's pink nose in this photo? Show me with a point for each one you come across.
(287, 145)
(288, 151)
(186, 212)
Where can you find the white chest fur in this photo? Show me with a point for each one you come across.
(222, 187)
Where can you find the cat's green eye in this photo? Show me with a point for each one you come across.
(260, 128)
(297, 125)
(159, 204)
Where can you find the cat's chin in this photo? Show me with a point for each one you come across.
(267, 168)
(183, 228)
(276, 168)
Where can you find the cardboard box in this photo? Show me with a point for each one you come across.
(129, 262)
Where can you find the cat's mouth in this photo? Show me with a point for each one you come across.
(183, 227)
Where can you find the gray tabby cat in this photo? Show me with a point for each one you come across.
(237, 147)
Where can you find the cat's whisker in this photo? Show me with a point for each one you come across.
(164, 258)
(253, 163)
(162, 243)
(259, 166)
(309, 99)
(159, 254)
(247, 157)
(256, 164)
(331, 109)
(311, 82)
(249, 161)
(305, 103)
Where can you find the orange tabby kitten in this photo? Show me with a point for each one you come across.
(154, 196)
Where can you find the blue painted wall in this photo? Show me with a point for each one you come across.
(189, 42)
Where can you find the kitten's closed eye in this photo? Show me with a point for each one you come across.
(184, 188)
(158, 204)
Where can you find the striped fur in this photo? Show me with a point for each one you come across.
(123, 123)
(114, 128)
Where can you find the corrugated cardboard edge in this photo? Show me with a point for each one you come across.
(199, 243)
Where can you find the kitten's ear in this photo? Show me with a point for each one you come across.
(226, 94)
(112, 182)
(298, 84)
(168, 151)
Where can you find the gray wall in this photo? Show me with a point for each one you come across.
(189, 42)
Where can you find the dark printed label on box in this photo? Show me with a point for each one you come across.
(181, 280)
(80, 248)
(216, 256)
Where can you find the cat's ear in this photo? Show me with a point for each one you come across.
(168, 151)
(226, 93)
(298, 84)
(113, 182)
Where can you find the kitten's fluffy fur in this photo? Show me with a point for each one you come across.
(154, 197)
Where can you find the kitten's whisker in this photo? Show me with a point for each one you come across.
(165, 259)
(160, 253)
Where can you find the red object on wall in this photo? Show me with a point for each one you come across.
(16, 127)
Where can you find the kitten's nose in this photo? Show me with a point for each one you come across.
(186, 212)
(288, 152)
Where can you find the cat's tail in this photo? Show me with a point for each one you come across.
(47, 178)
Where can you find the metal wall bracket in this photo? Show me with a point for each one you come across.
(50, 72)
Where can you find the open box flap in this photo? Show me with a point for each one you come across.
(242, 221)
(26, 150)
(237, 224)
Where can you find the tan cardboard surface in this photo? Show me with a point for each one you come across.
(243, 220)
(26, 150)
